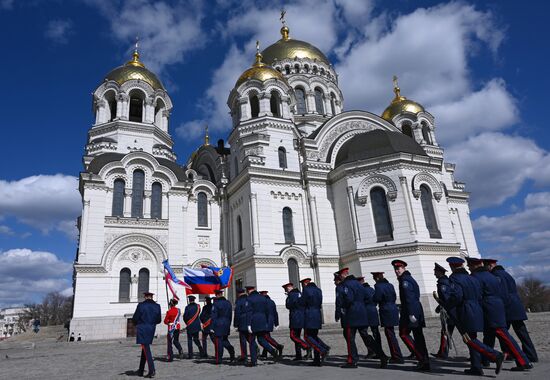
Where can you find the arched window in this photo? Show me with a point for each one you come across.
(138, 185)
(143, 282)
(156, 201)
(275, 103)
(118, 197)
(315, 70)
(293, 272)
(333, 103)
(300, 100)
(288, 227)
(426, 133)
(282, 157)
(428, 210)
(287, 69)
(297, 68)
(111, 102)
(136, 106)
(202, 210)
(239, 234)
(254, 106)
(381, 214)
(319, 106)
(306, 68)
(407, 130)
(124, 285)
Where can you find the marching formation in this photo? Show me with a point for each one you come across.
(484, 300)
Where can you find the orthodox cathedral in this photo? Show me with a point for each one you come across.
(300, 189)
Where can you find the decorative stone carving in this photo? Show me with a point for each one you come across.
(431, 181)
(376, 179)
(134, 255)
(134, 240)
(203, 242)
(254, 151)
(295, 253)
(336, 132)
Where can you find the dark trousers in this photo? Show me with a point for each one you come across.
(349, 336)
(311, 336)
(271, 341)
(173, 338)
(444, 344)
(395, 350)
(479, 350)
(299, 344)
(243, 342)
(526, 343)
(146, 356)
(204, 340)
(507, 343)
(254, 347)
(374, 342)
(193, 338)
(416, 345)
(221, 342)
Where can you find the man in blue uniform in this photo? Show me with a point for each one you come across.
(257, 314)
(447, 326)
(193, 323)
(494, 312)
(146, 317)
(296, 320)
(206, 323)
(221, 324)
(272, 324)
(385, 297)
(312, 300)
(515, 312)
(412, 315)
(375, 343)
(240, 323)
(462, 300)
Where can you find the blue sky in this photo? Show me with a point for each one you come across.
(479, 67)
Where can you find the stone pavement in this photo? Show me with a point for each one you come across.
(48, 359)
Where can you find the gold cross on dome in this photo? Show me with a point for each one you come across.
(395, 85)
(282, 18)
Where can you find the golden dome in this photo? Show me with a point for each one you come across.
(134, 69)
(259, 71)
(400, 104)
(286, 47)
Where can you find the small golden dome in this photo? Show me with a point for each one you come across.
(400, 104)
(134, 69)
(289, 48)
(259, 71)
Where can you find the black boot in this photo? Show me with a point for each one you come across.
(308, 354)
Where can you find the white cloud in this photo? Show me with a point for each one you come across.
(46, 202)
(5, 230)
(26, 275)
(59, 31)
(6, 4)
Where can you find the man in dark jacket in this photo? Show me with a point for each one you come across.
(385, 297)
(221, 324)
(412, 315)
(257, 314)
(206, 324)
(272, 324)
(193, 323)
(447, 326)
(312, 300)
(240, 324)
(374, 343)
(296, 319)
(495, 313)
(515, 312)
(146, 317)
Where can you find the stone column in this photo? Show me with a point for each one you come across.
(254, 220)
(100, 111)
(353, 215)
(127, 203)
(265, 106)
(149, 108)
(164, 122)
(408, 207)
(84, 227)
(165, 205)
(147, 203)
(310, 102)
(315, 221)
(134, 288)
(417, 133)
(244, 108)
(328, 108)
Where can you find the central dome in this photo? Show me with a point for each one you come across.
(134, 69)
(287, 47)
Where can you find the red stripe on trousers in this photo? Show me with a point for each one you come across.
(481, 350)
(510, 346)
(216, 349)
(404, 334)
(298, 340)
(270, 340)
(312, 344)
(144, 353)
(391, 341)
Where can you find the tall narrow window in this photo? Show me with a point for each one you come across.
(288, 227)
(124, 285)
(156, 201)
(428, 210)
(407, 130)
(202, 210)
(143, 282)
(287, 70)
(426, 134)
(282, 158)
(111, 102)
(254, 106)
(138, 184)
(118, 197)
(300, 100)
(333, 103)
(381, 214)
(239, 234)
(319, 106)
(293, 272)
(275, 104)
(136, 106)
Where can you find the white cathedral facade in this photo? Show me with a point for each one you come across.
(302, 189)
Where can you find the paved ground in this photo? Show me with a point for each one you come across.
(42, 357)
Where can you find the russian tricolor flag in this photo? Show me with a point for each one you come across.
(175, 284)
(206, 280)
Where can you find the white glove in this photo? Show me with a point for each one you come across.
(276, 327)
(412, 318)
(250, 329)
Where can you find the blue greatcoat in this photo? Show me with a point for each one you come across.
(353, 303)
(492, 304)
(339, 313)
(296, 308)
(312, 299)
(239, 321)
(372, 313)
(444, 292)
(206, 314)
(385, 297)
(189, 312)
(409, 294)
(146, 317)
(465, 299)
(514, 308)
(273, 318)
(257, 312)
(221, 316)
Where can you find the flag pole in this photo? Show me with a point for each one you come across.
(166, 286)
